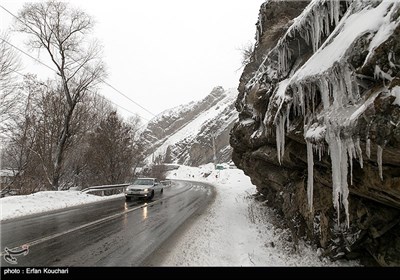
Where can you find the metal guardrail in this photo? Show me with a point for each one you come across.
(4, 191)
(100, 190)
(106, 189)
(8, 191)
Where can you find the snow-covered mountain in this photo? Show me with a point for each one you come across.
(188, 134)
(319, 122)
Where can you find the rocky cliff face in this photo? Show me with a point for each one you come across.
(188, 134)
(319, 123)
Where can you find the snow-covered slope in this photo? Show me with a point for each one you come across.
(186, 134)
(319, 110)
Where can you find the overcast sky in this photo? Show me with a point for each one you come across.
(163, 53)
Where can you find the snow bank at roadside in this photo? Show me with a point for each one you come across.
(22, 205)
(237, 230)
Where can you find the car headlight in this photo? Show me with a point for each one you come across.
(146, 190)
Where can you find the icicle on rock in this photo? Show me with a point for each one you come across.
(379, 159)
(339, 159)
(359, 153)
(334, 12)
(280, 137)
(310, 175)
(368, 148)
(351, 153)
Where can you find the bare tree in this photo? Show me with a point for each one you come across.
(20, 152)
(62, 32)
(9, 63)
(247, 51)
(34, 132)
(134, 123)
(111, 152)
(91, 112)
(158, 171)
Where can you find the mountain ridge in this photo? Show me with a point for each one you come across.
(187, 134)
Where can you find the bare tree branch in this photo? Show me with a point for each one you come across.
(9, 64)
(62, 32)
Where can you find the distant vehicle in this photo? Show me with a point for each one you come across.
(143, 188)
(166, 183)
(219, 167)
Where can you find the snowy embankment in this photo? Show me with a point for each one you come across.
(22, 205)
(236, 230)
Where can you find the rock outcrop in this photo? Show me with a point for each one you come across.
(188, 134)
(319, 123)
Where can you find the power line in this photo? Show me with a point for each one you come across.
(120, 106)
(127, 97)
(25, 53)
(105, 82)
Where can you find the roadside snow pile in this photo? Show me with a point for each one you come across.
(204, 173)
(22, 205)
(237, 230)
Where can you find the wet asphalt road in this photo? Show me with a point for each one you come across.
(109, 233)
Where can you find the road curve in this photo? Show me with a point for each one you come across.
(108, 233)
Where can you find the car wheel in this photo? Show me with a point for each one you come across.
(127, 198)
(151, 195)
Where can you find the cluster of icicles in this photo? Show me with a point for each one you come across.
(331, 124)
(337, 90)
(319, 15)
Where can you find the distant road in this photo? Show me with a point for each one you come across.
(107, 233)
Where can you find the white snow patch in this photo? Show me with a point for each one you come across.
(364, 105)
(385, 30)
(380, 74)
(396, 93)
(281, 91)
(316, 132)
(22, 205)
(246, 122)
(349, 29)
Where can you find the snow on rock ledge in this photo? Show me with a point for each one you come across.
(325, 101)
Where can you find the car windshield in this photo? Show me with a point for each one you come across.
(143, 182)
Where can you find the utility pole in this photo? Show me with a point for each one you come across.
(215, 151)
